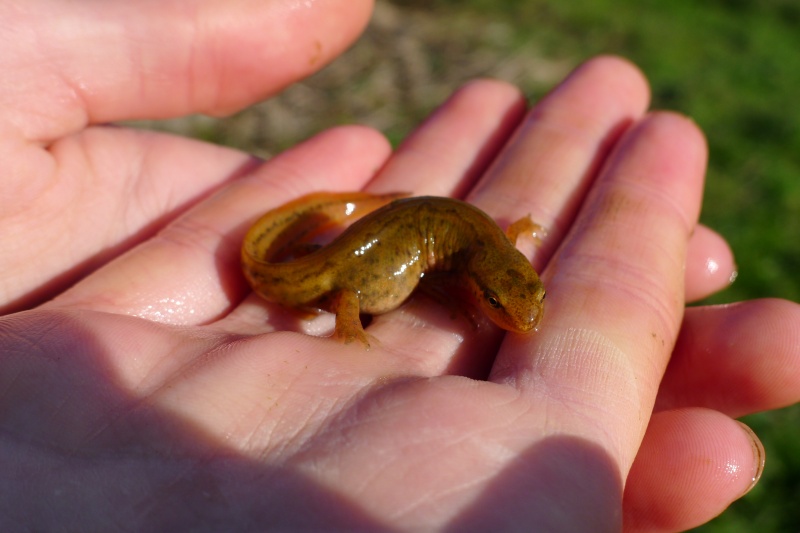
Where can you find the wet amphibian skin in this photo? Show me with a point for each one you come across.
(375, 264)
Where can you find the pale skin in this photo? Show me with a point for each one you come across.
(159, 392)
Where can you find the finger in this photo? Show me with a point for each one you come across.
(738, 359)
(615, 288)
(551, 155)
(692, 464)
(555, 154)
(80, 63)
(189, 273)
(451, 149)
(709, 264)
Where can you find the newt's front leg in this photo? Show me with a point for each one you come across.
(348, 324)
(526, 225)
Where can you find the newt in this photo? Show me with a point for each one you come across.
(376, 263)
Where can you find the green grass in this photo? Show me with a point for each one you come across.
(734, 67)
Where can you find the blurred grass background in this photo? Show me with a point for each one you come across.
(731, 65)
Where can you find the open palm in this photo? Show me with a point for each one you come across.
(153, 391)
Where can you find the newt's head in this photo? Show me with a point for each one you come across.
(509, 293)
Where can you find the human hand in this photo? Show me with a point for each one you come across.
(151, 394)
(71, 67)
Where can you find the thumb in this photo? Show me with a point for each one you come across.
(77, 63)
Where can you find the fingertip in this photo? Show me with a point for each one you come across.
(353, 142)
(362, 138)
(342, 158)
(617, 76)
(680, 141)
(710, 265)
(625, 69)
(759, 455)
(494, 88)
(496, 102)
(692, 464)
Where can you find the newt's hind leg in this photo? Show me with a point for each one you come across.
(348, 328)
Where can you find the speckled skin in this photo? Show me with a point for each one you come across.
(377, 262)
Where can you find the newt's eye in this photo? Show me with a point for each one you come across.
(491, 299)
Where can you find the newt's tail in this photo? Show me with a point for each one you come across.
(282, 230)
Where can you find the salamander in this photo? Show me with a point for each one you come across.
(375, 264)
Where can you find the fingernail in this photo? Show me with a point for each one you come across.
(759, 456)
